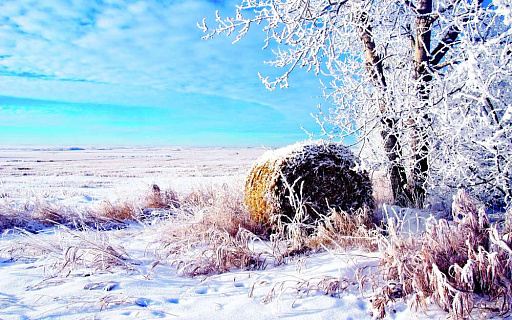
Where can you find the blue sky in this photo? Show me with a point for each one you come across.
(122, 72)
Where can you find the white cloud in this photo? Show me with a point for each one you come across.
(152, 46)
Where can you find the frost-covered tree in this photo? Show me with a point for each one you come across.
(424, 85)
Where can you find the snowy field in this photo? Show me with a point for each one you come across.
(59, 273)
(115, 173)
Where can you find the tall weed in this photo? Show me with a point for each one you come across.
(451, 264)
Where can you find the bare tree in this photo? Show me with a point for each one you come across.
(424, 85)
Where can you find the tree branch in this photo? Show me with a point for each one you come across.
(444, 45)
(373, 60)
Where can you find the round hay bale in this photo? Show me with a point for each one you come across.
(321, 174)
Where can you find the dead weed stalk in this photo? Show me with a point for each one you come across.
(211, 233)
(451, 264)
(69, 251)
(219, 253)
(342, 230)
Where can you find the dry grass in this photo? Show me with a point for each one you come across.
(122, 211)
(331, 286)
(218, 206)
(338, 230)
(70, 251)
(450, 264)
(464, 266)
(37, 214)
(221, 235)
(341, 230)
(216, 252)
(34, 215)
(8, 220)
(195, 251)
(222, 208)
(162, 200)
(210, 233)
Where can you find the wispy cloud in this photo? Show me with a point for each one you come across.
(135, 52)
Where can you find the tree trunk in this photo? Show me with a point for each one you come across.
(392, 147)
(416, 189)
(396, 171)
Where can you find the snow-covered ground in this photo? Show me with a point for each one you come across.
(37, 280)
(148, 292)
(97, 173)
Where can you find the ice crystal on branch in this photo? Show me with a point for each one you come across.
(424, 85)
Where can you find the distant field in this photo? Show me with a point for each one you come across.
(116, 173)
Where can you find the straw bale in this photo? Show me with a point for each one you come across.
(321, 175)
